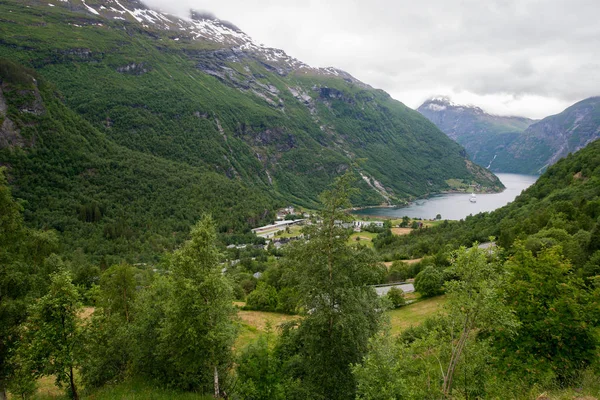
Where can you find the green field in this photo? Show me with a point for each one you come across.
(365, 238)
(414, 314)
(292, 231)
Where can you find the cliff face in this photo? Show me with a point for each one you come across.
(515, 144)
(560, 134)
(485, 136)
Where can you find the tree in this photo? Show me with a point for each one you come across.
(341, 311)
(428, 360)
(198, 331)
(264, 297)
(380, 375)
(108, 337)
(557, 315)
(396, 297)
(475, 302)
(23, 254)
(259, 371)
(118, 290)
(438, 216)
(400, 271)
(14, 284)
(52, 333)
(429, 282)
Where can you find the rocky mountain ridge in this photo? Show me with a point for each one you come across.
(516, 144)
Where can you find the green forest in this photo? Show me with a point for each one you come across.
(519, 319)
(122, 139)
(133, 168)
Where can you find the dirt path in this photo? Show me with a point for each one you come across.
(388, 264)
(401, 231)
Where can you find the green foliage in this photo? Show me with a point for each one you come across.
(400, 271)
(264, 298)
(24, 270)
(557, 317)
(342, 312)
(448, 356)
(429, 282)
(107, 350)
(109, 340)
(52, 333)
(380, 375)
(396, 297)
(118, 290)
(197, 334)
(287, 300)
(259, 375)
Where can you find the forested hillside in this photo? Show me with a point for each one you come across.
(561, 208)
(195, 101)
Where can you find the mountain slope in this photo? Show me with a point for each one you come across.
(105, 199)
(199, 96)
(545, 142)
(561, 208)
(515, 144)
(485, 137)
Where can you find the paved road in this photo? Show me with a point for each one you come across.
(406, 288)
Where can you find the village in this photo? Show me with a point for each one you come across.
(288, 226)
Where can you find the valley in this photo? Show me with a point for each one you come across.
(186, 213)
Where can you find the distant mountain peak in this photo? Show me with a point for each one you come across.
(441, 103)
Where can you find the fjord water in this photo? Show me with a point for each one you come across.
(457, 206)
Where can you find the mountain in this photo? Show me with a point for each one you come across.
(516, 144)
(486, 137)
(545, 142)
(123, 124)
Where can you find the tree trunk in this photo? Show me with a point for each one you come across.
(2, 394)
(217, 391)
(74, 394)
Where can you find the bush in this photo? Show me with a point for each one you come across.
(287, 301)
(396, 297)
(400, 271)
(429, 282)
(263, 298)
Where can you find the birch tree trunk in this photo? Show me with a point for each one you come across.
(217, 391)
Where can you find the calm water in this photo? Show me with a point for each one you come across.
(458, 206)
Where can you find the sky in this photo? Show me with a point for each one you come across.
(531, 58)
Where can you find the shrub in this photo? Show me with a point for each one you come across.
(263, 298)
(396, 297)
(429, 282)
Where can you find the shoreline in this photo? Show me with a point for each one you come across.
(411, 202)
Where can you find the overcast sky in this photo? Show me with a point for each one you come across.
(510, 57)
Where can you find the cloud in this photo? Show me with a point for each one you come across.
(524, 57)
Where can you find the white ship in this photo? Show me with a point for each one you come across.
(473, 198)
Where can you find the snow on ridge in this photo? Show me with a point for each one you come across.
(200, 27)
(90, 8)
(436, 107)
